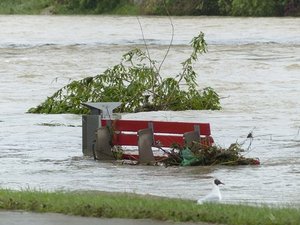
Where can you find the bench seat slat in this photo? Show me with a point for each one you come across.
(132, 140)
(125, 139)
(167, 141)
(126, 125)
(180, 127)
(158, 126)
(164, 140)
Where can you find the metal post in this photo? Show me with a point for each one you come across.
(92, 122)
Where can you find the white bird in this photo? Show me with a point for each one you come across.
(214, 195)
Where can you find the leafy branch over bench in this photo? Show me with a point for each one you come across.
(137, 83)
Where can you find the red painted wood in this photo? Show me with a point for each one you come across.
(180, 127)
(158, 126)
(132, 140)
(160, 140)
(167, 141)
(126, 132)
(125, 139)
(126, 125)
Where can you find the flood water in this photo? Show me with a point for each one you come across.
(253, 63)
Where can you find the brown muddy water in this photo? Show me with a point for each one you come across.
(253, 63)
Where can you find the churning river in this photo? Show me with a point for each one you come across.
(253, 63)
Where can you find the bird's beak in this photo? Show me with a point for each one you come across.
(222, 183)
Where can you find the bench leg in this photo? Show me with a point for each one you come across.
(190, 138)
(145, 142)
(102, 146)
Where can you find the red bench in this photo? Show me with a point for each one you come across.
(165, 133)
(147, 134)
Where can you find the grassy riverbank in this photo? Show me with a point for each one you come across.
(154, 7)
(117, 205)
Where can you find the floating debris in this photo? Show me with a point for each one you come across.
(200, 155)
(57, 125)
(195, 155)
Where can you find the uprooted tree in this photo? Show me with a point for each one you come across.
(138, 84)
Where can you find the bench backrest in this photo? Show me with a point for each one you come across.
(165, 133)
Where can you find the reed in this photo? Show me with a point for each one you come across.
(125, 205)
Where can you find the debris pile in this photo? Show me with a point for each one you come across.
(200, 155)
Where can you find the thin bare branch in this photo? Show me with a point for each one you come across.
(146, 46)
(172, 36)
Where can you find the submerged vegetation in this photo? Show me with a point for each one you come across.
(117, 205)
(137, 83)
(154, 7)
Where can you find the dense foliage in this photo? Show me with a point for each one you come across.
(155, 7)
(193, 7)
(23, 6)
(257, 7)
(224, 7)
(137, 83)
(93, 6)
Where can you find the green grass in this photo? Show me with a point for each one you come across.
(117, 205)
